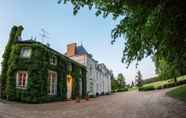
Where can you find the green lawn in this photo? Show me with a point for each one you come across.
(133, 89)
(178, 93)
(161, 83)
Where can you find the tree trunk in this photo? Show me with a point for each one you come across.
(175, 79)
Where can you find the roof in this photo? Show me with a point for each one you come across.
(36, 42)
(81, 50)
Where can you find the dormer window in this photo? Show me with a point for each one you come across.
(25, 52)
(53, 60)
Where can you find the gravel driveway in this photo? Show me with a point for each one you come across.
(120, 105)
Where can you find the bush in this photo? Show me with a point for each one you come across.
(169, 85)
(147, 88)
(181, 82)
(122, 90)
(159, 87)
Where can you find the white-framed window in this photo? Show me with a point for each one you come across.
(52, 80)
(22, 79)
(25, 52)
(53, 60)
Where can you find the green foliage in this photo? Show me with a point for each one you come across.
(15, 33)
(139, 80)
(147, 88)
(163, 84)
(119, 84)
(114, 84)
(122, 90)
(150, 27)
(165, 70)
(121, 80)
(37, 67)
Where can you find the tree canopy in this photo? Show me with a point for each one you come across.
(149, 26)
(121, 79)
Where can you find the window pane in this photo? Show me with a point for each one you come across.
(25, 52)
(21, 79)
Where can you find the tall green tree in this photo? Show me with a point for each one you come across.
(114, 84)
(139, 79)
(149, 27)
(15, 34)
(121, 80)
(165, 69)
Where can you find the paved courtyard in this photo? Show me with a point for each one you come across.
(120, 105)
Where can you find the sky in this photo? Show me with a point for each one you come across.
(94, 33)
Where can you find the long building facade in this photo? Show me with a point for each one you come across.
(98, 75)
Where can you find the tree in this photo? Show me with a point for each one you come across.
(149, 26)
(132, 85)
(139, 80)
(121, 80)
(114, 84)
(165, 70)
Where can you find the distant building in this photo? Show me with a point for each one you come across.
(103, 79)
(98, 76)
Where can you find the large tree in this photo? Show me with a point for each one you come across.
(165, 69)
(149, 27)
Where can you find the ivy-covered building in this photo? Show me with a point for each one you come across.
(33, 72)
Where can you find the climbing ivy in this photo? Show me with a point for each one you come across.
(37, 67)
(14, 34)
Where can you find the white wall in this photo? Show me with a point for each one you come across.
(97, 81)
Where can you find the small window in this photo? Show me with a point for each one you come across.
(52, 80)
(21, 79)
(25, 52)
(53, 60)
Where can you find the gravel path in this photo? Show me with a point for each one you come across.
(120, 105)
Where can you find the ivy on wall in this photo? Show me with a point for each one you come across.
(37, 67)
(14, 34)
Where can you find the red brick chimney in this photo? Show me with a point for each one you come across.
(71, 49)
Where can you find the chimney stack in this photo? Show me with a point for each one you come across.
(71, 49)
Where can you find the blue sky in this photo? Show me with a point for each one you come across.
(93, 32)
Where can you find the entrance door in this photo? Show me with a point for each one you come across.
(69, 87)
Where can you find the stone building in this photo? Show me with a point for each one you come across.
(98, 76)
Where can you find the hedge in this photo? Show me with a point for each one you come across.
(147, 88)
(168, 85)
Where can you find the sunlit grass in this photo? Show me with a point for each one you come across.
(161, 83)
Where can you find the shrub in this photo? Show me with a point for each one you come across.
(169, 85)
(181, 82)
(159, 87)
(122, 90)
(147, 88)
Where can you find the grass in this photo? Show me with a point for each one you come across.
(178, 93)
(133, 89)
(161, 83)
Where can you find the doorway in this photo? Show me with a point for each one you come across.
(69, 86)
